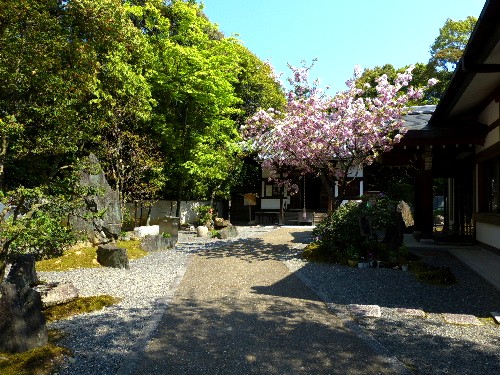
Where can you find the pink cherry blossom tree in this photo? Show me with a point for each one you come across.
(328, 136)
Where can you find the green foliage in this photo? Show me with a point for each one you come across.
(214, 233)
(341, 234)
(85, 256)
(317, 252)
(38, 361)
(152, 88)
(78, 306)
(450, 44)
(31, 222)
(434, 275)
(205, 215)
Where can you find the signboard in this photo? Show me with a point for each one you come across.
(250, 199)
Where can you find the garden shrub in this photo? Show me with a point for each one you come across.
(206, 215)
(341, 234)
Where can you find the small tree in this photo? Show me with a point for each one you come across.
(31, 223)
(330, 136)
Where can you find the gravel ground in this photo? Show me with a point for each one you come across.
(104, 342)
(425, 345)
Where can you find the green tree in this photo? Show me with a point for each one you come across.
(450, 44)
(35, 94)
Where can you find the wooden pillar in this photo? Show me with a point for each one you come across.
(424, 196)
(427, 218)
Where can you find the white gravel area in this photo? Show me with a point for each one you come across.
(423, 344)
(104, 342)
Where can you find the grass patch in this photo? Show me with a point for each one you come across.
(426, 273)
(78, 306)
(315, 252)
(39, 361)
(85, 256)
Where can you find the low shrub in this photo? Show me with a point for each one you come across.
(433, 275)
(354, 230)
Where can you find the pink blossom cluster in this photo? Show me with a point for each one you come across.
(317, 132)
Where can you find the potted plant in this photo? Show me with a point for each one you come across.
(352, 254)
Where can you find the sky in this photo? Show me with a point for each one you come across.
(339, 34)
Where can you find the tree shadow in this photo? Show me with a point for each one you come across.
(254, 336)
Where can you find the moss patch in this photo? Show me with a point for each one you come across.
(39, 361)
(433, 275)
(85, 256)
(315, 252)
(78, 306)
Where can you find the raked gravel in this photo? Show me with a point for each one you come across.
(424, 344)
(104, 342)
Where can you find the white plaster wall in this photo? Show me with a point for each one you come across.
(163, 208)
(488, 234)
(355, 171)
(273, 203)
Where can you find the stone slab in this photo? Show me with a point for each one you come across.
(464, 319)
(148, 230)
(365, 311)
(410, 312)
(496, 316)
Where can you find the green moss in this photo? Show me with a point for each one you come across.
(433, 275)
(86, 257)
(39, 361)
(316, 252)
(78, 306)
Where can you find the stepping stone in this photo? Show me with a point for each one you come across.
(410, 312)
(496, 316)
(366, 311)
(464, 319)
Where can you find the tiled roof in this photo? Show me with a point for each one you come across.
(418, 117)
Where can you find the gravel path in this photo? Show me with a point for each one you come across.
(104, 342)
(426, 345)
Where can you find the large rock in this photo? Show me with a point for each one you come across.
(169, 225)
(157, 243)
(202, 231)
(146, 230)
(23, 272)
(228, 232)
(105, 225)
(111, 256)
(22, 324)
(56, 293)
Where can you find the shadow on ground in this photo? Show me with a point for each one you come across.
(385, 287)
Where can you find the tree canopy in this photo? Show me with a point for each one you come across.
(330, 136)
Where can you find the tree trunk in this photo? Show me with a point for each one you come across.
(281, 219)
(3, 153)
(328, 188)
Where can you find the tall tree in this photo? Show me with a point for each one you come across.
(329, 136)
(450, 44)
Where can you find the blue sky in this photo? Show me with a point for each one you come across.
(340, 34)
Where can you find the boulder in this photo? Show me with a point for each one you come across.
(110, 255)
(23, 272)
(221, 223)
(147, 230)
(22, 324)
(56, 293)
(157, 242)
(202, 231)
(105, 224)
(228, 232)
(169, 225)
